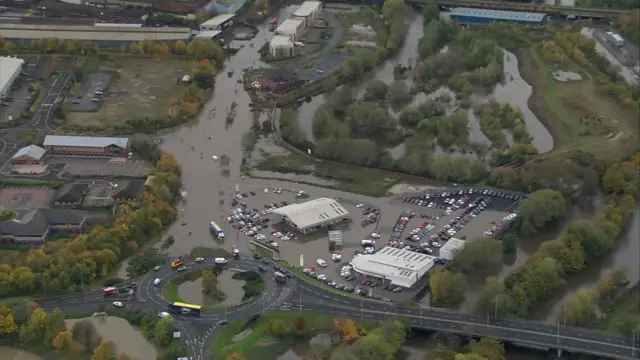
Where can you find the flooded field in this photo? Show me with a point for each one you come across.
(11, 353)
(191, 291)
(126, 339)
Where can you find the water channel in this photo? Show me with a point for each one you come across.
(208, 189)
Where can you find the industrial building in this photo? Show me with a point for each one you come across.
(10, 69)
(281, 46)
(451, 247)
(228, 6)
(312, 215)
(105, 36)
(87, 146)
(36, 226)
(465, 15)
(31, 155)
(308, 12)
(291, 28)
(398, 266)
(219, 22)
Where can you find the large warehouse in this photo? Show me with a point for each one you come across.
(10, 68)
(312, 215)
(87, 146)
(290, 27)
(465, 15)
(308, 12)
(400, 267)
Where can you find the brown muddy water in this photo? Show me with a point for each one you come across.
(191, 291)
(126, 338)
(11, 353)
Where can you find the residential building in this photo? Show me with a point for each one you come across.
(398, 266)
(308, 12)
(291, 27)
(87, 146)
(280, 47)
(30, 155)
(312, 215)
(33, 229)
(465, 15)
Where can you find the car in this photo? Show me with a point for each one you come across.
(266, 191)
(375, 235)
(164, 314)
(262, 269)
(257, 256)
(156, 268)
(223, 322)
(214, 157)
(359, 206)
(118, 304)
(321, 262)
(182, 268)
(320, 71)
(200, 259)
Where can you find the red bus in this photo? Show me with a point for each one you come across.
(177, 263)
(109, 291)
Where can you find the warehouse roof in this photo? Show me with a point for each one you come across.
(498, 14)
(401, 267)
(37, 222)
(217, 20)
(307, 8)
(207, 34)
(288, 26)
(280, 41)
(8, 67)
(84, 141)
(32, 151)
(453, 244)
(312, 213)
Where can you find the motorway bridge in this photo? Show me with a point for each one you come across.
(531, 7)
(300, 295)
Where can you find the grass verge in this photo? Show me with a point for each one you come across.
(256, 343)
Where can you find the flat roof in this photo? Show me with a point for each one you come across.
(218, 20)
(95, 35)
(307, 8)
(32, 151)
(118, 25)
(498, 14)
(453, 244)
(289, 26)
(313, 212)
(84, 141)
(207, 34)
(8, 67)
(402, 267)
(280, 41)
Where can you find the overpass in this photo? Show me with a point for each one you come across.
(530, 7)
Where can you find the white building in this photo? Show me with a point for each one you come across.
(308, 12)
(400, 267)
(312, 215)
(207, 35)
(449, 249)
(291, 27)
(219, 22)
(281, 46)
(10, 68)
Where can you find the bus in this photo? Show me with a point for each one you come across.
(184, 308)
(109, 291)
(216, 230)
(280, 276)
(177, 262)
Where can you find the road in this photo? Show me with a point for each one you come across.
(303, 296)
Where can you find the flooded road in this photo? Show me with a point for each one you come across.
(125, 338)
(11, 353)
(191, 291)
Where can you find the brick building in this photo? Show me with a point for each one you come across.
(87, 146)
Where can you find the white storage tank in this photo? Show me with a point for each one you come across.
(448, 250)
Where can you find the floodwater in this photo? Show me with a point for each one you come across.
(306, 112)
(125, 338)
(309, 349)
(191, 291)
(11, 353)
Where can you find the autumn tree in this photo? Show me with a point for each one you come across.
(63, 340)
(54, 326)
(7, 324)
(104, 351)
(277, 327)
(300, 326)
(581, 307)
(235, 356)
(346, 329)
(447, 287)
(180, 47)
(489, 348)
(163, 334)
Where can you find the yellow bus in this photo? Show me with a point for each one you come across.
(184, 308)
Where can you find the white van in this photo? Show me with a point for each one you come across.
(367, 242)
(321, 263)
(156, 282)
(220, 260)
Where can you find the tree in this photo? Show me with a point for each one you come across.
(235, 356)
(103, 351)
(300, 326)
(376, 90)
(180, 47)
(209, 282)
(277, 327)
(447, 287)
(595, 243)
(391, 8)
(581, 307)
(539, 210)
(164, 330)
(483, 255)
(7, 324)
(489, 348)
(54, 325)
(63, 340)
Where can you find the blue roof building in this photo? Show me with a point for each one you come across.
(465, 15)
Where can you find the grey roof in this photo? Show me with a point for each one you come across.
(32, 151)
(85, 141)
(498, 14)
(311, 213)
(72, 193)
(131, 190)
(36, 222)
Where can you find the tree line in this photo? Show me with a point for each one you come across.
(68, 266)
(33, 328)
(452, 348)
